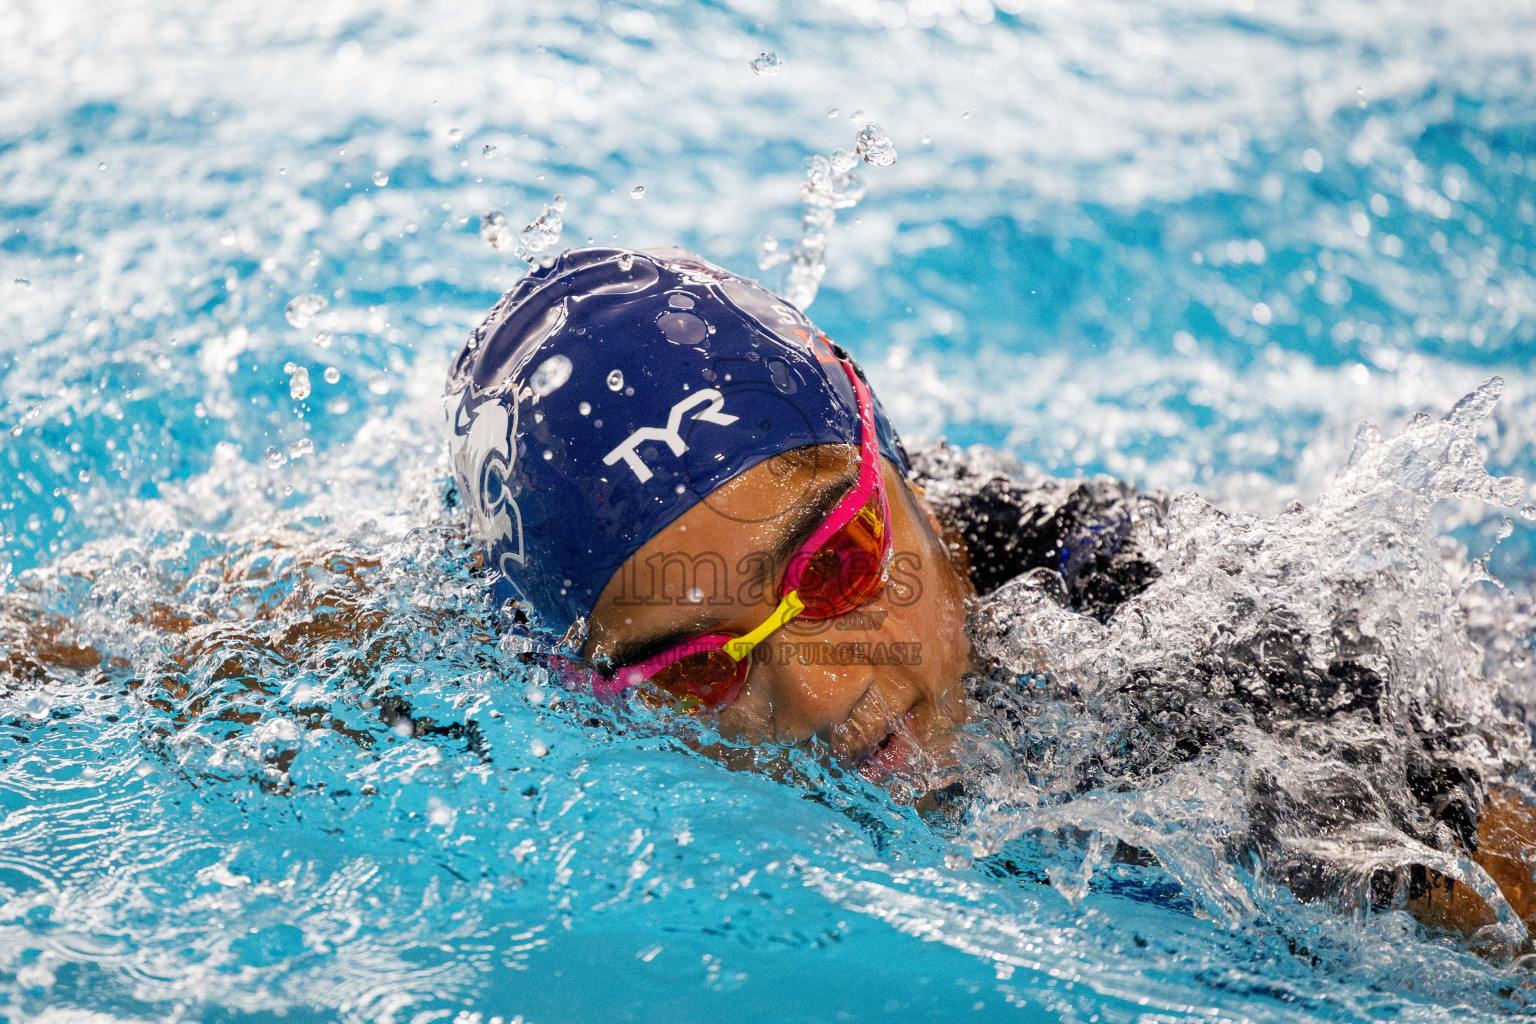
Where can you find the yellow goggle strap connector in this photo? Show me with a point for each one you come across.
(788, 608)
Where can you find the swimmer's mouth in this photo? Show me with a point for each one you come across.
(892, 754)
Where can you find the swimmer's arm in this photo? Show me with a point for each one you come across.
(317, 594)
(1506, 843)
(39, 649)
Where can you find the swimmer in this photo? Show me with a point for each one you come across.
(693, 493)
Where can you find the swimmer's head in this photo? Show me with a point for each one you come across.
(644, 442)
(610, 392)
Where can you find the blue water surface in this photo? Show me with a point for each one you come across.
(1189, 243)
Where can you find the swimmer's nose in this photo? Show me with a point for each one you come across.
(814, 686)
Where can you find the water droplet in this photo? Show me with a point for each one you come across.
(874, 146)
(551, 375)
(585, 408)
(275, 457)
(1312, 160)
(696, 595)
(323, 338)
(538, 748)
(303, 446)
(681, 328)
(298, 384)
(545, 229)
(332, 375)
(535, 695)
(766, 63)
(37, 707)
(378, 384)
(769, 255)
(488, 151)
(965, 115)
(455, 134)
(1528, 513)
(302, 310)
(101, 166)
(958, 858)
(494, 230)
(832, 112)
(1506, 527)
(625, 262)
(616, 380)
(638, 192)
(23, 284)
(380, 178)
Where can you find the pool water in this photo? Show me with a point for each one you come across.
(290, 769)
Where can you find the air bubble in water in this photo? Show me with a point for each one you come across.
(298, 383)
(638, 192)
(494, 230)
(488, 152)
(298, 449)
(545, 229)
(766, 63)
(302, 310)
(323, 338)
(380, 178)
(874, 146)
(551, 375)
(332, 375)
(275, 457)
(616, 380)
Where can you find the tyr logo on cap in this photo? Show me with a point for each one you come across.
(627, 448)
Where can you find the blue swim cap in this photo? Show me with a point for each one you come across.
(611, 391)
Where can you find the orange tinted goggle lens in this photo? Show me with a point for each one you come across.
(709, 677)
(847, 571)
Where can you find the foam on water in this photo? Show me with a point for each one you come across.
(265, 751)
(1299, 688)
